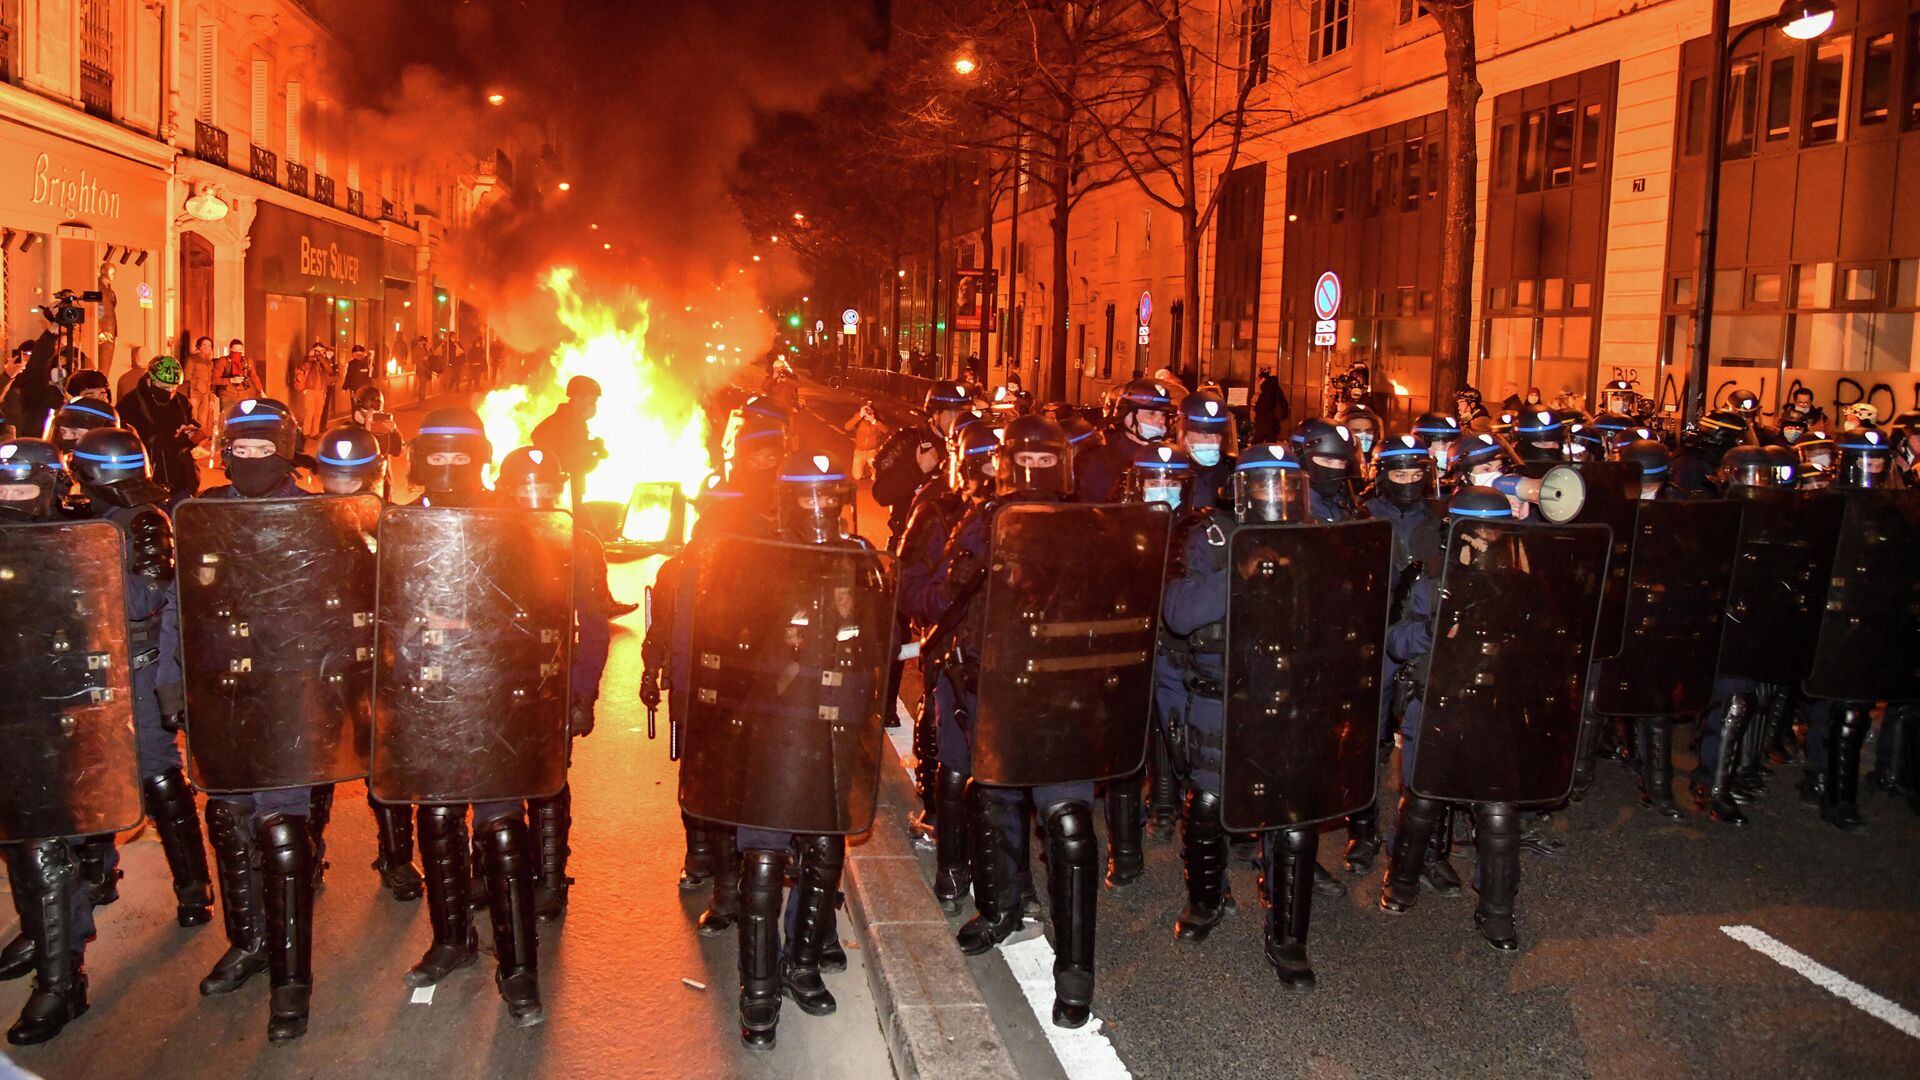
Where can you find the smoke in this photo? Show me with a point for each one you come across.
(642, 108)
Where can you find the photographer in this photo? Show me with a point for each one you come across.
(234, 378)
(160, 413)
(313, 381)
(32, 396)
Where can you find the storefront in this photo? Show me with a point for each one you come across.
(311, 281)
(75, 217)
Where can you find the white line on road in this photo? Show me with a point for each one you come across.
(1826, 978)
(902, 736)
(1084, 1053)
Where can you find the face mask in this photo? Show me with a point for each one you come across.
(1365, 441)
(1792, 436)
(1150, 430)
(1205, 456)
(1168, 495)
(254, 477)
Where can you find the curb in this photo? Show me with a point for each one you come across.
(932, 1014)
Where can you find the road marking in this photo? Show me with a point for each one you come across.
(1084, 1053)
(423, 995)
(1826, 978)
(902, 736)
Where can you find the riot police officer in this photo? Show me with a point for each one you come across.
(1366, 432)
(1207, 434)
(1710, 438)
(1439, 433)
(1540, 435)
(916, 453)
(76, 418)
(1144, 413)
(110, 468)
(265, 843)
(1325, 451)
(1655, 467)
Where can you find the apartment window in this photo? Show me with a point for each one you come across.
(1256, 39)
(1532, 150)
(1504, 139)
(206, 47)
(1763, 289)
(96, 58)
(1146, 230)
(1106, 355)
(1410, 177)
(9, 33)
(1433, 168)
(1560, 129)
(293, 123)
(1409, 11)
(1743, 99)
(1813, 285)
(1327, 33)
(1779, 98)
(1592, 134)
(1696, 136)
(1342, 176)
(1825, 92)
(1876, 80)
(260, 101)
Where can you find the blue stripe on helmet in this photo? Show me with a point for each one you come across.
(452, 431)
(811, 478)
(1159, 466)
(987, 448)
(113, 461)
(1398, 450)
(80, 406)
(368, 460)
(1267, 463)
(759, 433)
(258, 418)
(1644, 471)
(1465, 512)
(1075, 440)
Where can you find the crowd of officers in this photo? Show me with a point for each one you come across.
(944, 479)
(269, 846)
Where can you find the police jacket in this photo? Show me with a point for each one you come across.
(153, 622)
(936, 512)
(1097, 473)
(1193, 611)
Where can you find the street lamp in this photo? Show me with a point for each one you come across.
(496, 98)
(564, 186)
(965, 65)
(1802, 20)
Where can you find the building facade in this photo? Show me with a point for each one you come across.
(1590, 133)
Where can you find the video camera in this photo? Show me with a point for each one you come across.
(68, 308)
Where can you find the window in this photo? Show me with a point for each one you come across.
(1410, 185)
(1826, 92)
(1906, 283)
(1813, 285)
(96, 58)
(1592, 132)
(1696, 138)
(206, 72)
(1876, 80)
(1560, 145)
(1779, 98)
(293, 123)
(1327, 33)
(1503, 146)
(1743, 98)
(1532, 149)
(1409, 11)
(1376, 180)
(1433, 168)
(1860, 284)
(1256, 36)
(1582, 295)
(1553, 294)
(259, 101)
(1763, 288)
(1106, 355)
(1682, 292)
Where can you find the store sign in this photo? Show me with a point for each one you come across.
(47, 181)
(72, 192)
(328, 262)
(292, 253)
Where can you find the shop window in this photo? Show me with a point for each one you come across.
(1743, 97)
(1860, 284)
(1560, 129)
(1410, 179)
(1592, 134)
(1813, 285)
(1876, 80)
(1327, 32)
(1504, 139)
(1856, 341)
(1763, 288)
(1906, 283)
(1553, 294)
(1825, 91)
(1533, 149)
(1779, 98)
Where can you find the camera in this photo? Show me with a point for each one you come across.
(68, 308)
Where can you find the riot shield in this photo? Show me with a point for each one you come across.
(1512, 637)
(791, 644)
(473, 639)
(276, 639)
(1676, 602)
(1306, 623)
(1613, 497)
(67, 764)
(1067, 619)
(1787, 540)
(1869, 643)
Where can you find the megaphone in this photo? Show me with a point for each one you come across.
(1561, 494)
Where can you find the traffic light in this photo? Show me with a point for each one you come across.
(793, 320)
(941, 326)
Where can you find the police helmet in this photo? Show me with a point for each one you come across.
(1034, 458)
(1474, 451)
(369, 398)
(1142, 396)
(1157, 473)
(971, 466)
(259, 418)
(1786, 465)
(1399, 453)
(1652, 457)
(349, 459)
(77, 417)
(1364, 427)
(451, 452)
(1317, 439)
(1269, 485)
(1747, 466)
(814, 493)
(1479, 502)
(110, 463)
(531, 479)
(34, 464)
(1866, 459)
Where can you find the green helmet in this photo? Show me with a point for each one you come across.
(164, 370)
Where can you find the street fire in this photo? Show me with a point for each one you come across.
(651, 420)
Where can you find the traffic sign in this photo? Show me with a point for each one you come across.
(850, 317)
(1146, 308)
(1326, 295)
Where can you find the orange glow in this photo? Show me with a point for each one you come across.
(652, 422)
(496, 99)
(565, 186)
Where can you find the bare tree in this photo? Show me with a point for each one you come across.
(1453, 315)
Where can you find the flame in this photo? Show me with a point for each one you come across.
(651, 421)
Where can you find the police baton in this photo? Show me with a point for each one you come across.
(651, 710)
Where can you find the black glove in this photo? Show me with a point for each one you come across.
(650, 690)
(173, 722)
(580, 719)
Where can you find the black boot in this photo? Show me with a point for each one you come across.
(1023, 859)
(951, 874)
(169, 802)
(443, 855)
(1656, 766)
(516, 941)
(995, 876)
(102, 884)
(59, 981)
(761, 873)
(1203, 850)
(698, 866)
(1499, 870)
(16, 959)
(926, 771)
(1716, 796)
(551, 821)
(1363, 839)
(1163, 790)
(242, 907)
(1400, 885)
(1840, 796)
(817, 886)
(1586, 753)
(318, 815)
(723, 905)
(1287, 880)
(287, 876)
(1073, 887)
(1782, 706)
(1439, 872)
(1125, 859)
(394, 824)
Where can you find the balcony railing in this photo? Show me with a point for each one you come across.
(356, 203)
(210, 143)
(96, 90)
(323, 190)
(297, 178)
(264, 165)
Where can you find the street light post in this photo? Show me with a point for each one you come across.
(1799, 19)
